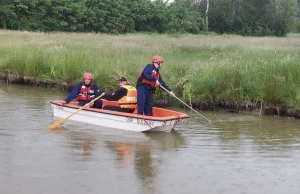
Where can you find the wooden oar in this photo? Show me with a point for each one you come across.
(185, 104)
(59, 122)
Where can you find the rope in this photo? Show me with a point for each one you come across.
(178, 121)
(146, 122)
(175, 124)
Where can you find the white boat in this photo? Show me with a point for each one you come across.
(163, 120)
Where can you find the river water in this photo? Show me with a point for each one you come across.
(236, 153)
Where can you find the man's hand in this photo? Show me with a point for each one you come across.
(172, 94)
(61, 102)
(157, 83)
(91, 105)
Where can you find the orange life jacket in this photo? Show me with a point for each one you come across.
(129, 101)
(154, 74)
(86, 93)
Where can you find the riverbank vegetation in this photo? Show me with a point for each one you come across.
(208, 71)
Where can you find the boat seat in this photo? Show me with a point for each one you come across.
(115, 103)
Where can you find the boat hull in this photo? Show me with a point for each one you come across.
(118, 120)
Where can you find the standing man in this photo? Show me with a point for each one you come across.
(85, 92)
(148, 80)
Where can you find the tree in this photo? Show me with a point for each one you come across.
(206, 14)
(7, 15)
(246, 17)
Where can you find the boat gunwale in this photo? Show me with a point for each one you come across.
(131, 115)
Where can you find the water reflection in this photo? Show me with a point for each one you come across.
(33, 97)
(264, 136)
(263, 131)
(142, 152)
(143, 155)
(83, 142)
(146, 168)
(235, 152)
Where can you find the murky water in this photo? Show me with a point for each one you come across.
(235, 154)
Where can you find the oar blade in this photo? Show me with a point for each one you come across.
(59, 122)
(56, 124)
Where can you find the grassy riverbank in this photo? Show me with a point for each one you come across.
(231, 72)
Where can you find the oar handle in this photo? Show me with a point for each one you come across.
(185, 103)
(84, 106)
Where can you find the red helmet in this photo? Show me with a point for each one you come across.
(87, 75)
(157, 59)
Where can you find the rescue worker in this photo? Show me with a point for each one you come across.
(84, 92)
(126, 95)
(148, 80)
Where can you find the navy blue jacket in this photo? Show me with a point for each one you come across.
(146, 74)
(117, 95)
(76, 89)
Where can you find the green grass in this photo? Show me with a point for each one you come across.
(199, 68)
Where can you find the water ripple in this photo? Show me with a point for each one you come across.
(235, 153)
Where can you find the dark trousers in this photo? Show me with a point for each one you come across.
(144, 100)
(97, 103)
(117, 108)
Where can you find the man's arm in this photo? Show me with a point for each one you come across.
(147, 73)
(161, 81)
(73, 93)
(117, 95)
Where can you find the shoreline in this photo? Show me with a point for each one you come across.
(32, 81)
(229, 107)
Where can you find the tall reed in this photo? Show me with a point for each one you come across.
(214, 70)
